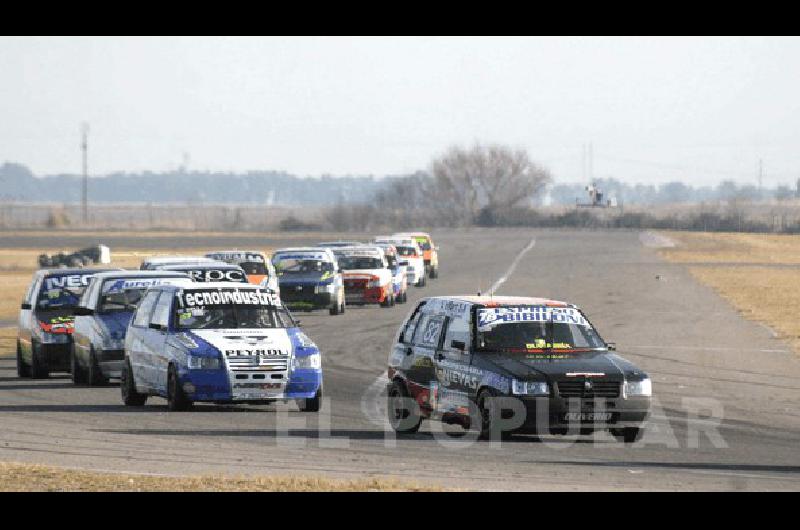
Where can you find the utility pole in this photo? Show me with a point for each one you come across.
(85, 190)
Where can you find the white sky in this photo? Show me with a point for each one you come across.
(655, 109)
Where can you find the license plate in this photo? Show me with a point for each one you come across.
(587, 416)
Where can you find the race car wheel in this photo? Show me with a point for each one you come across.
(628, 435)
(388, 301)
(78, 374)
(37, 370)
(489, 412)
(23, 370)
(434, 273)
(422, 282)
(311, 404)
(94, 377)
(334, 310)
(403, 421)
(176, 399)
(127, 386)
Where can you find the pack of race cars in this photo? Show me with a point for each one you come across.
(219, 328)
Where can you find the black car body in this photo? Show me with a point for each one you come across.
(540, 361)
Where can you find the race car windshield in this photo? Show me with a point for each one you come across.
(253, 267)
(535, 328)
(125, 300)
(233, 317)
(351, 263)
(54, 296)
(303, 266)
(424, 243)
(407, 251)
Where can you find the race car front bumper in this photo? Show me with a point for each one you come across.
(215, 386)
(111, 362)
(305, 297)
(574, 414)
(55, 357)
(368, 295)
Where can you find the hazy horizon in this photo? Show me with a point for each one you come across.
(654, 109)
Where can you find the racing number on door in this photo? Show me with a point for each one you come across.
(430, 336)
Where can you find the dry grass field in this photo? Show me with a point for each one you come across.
(749, 270)
(31, 477)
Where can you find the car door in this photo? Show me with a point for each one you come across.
(26, 318)
(136, 341)
(425, 343)
(156, 341)
(458, 380)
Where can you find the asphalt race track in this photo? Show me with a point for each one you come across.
(726, 391)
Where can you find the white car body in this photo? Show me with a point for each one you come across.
(415, 266)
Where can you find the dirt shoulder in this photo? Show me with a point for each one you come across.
(759, 274)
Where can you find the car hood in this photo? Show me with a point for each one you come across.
(232, 342)
(557, 365)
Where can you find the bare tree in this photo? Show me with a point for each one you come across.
(482, 178)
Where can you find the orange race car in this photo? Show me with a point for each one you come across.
(430, 252)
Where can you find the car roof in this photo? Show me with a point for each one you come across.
(221, 285)
(504, 300)
(324, 250)
(72, 270)
(140, 274)
(234, 252)
(215, 265)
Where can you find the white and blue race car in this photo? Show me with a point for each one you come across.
(102, 318)
(221, 343)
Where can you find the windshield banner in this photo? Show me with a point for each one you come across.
(490, 317)
(67, 281)
(237, 256)
(302, 256)
(200, 298)
(126, 284)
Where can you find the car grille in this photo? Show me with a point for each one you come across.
(255, 363)
(577, 389)
(355, 285)
(290, 293)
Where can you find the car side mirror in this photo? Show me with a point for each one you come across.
(612, 346)
(26, 305)
(83, 311)
(458, 344)
(158, 327)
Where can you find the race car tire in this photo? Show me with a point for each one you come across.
(23, 370)
(127, 387)
(400, 418)
(422, 281)
(78, 374)
(388, 301)
(488, 412)
(334, 310)
(402, 298)
(176, 399)
(311, 404)
(94, 376)
(434, 273)
(37, 370)
(628, 435)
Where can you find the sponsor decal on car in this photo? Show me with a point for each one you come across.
(199, 298)
(492, 316)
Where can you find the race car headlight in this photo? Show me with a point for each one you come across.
(643, 387)
(304, 341)
(196, 362)
(323, 288)
(313, 361)
(530, 388)
(374, 283)
(111, 343)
